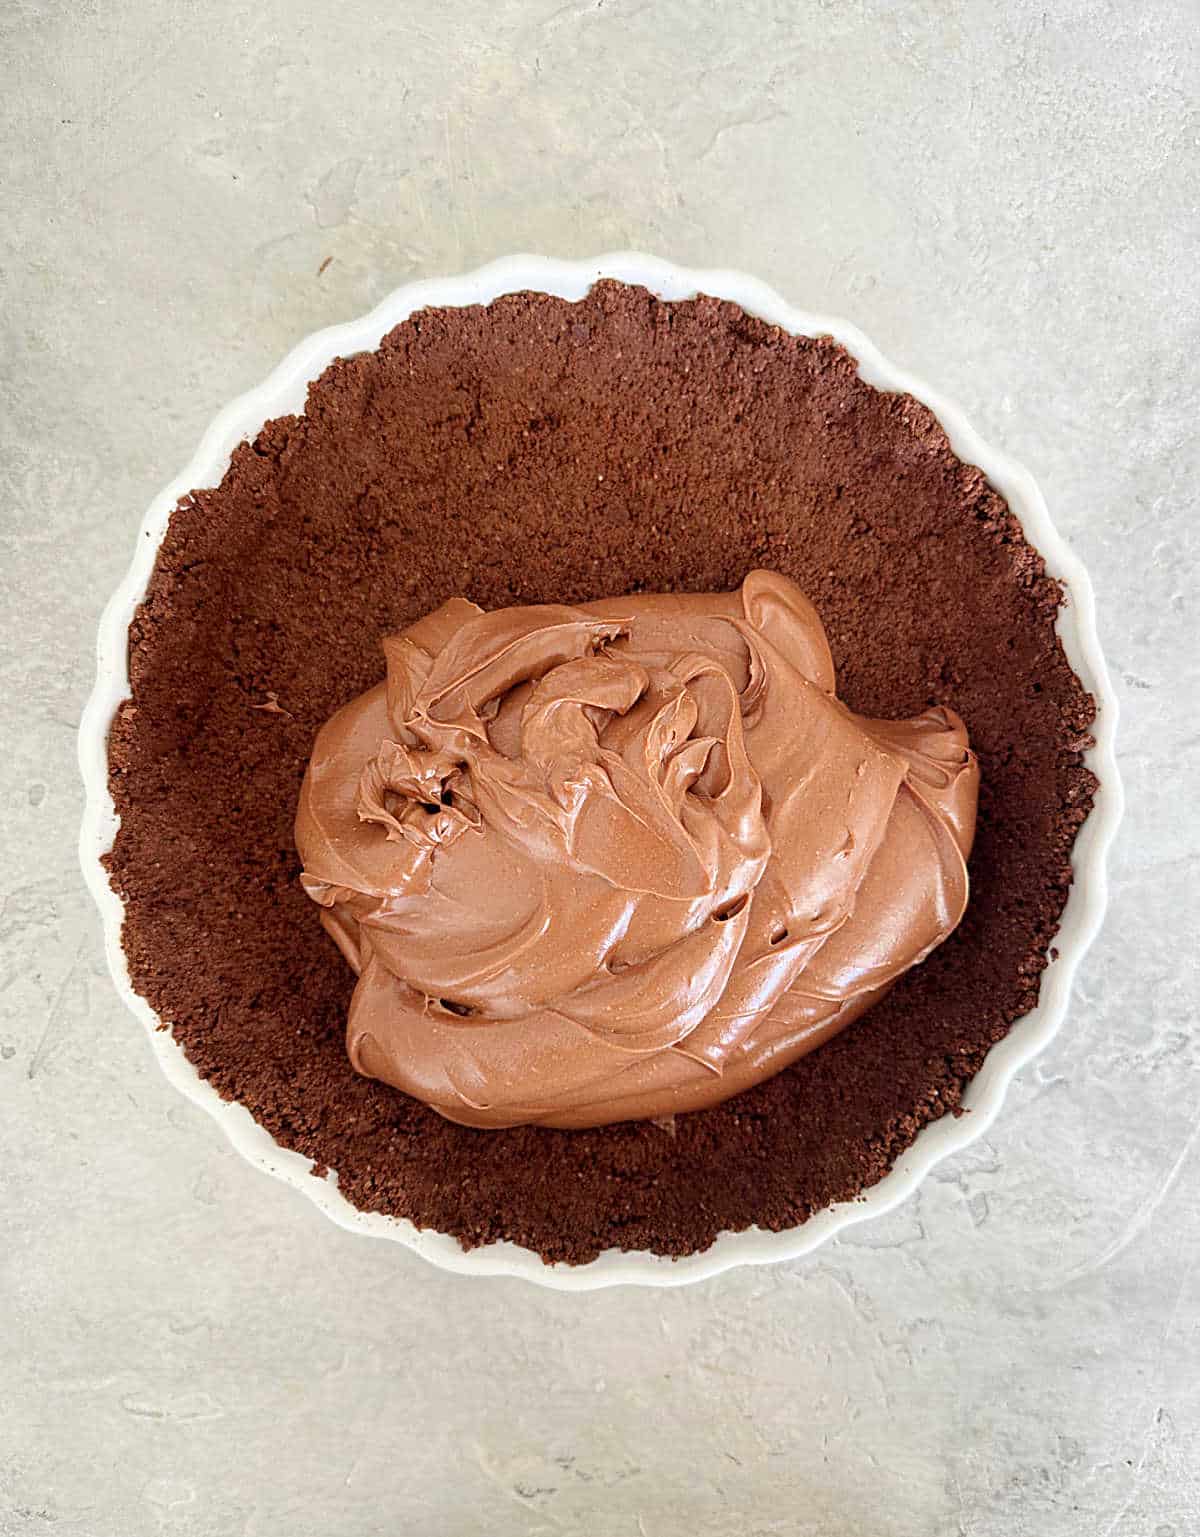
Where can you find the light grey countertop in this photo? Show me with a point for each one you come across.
(1004, 198)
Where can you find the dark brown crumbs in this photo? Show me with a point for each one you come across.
(543, 451)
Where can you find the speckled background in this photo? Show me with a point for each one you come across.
(1004, 197)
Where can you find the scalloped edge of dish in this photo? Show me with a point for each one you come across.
(284, 392)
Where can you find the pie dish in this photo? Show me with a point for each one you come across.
(285, 392)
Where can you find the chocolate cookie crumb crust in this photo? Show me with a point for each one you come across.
(542, 451)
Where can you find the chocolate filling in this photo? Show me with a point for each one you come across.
(539, 451)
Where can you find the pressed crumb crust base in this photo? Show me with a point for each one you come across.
(541, 451)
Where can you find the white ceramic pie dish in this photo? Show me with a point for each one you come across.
(284, 392)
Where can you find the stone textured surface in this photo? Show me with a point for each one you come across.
(1004, 198)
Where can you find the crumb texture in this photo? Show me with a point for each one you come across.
(543, 451)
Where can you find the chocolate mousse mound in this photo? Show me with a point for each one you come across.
(541, 451)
